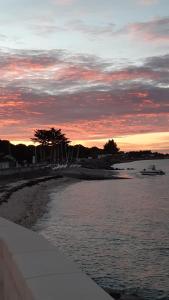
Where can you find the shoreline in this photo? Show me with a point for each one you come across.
(26, 203)
(23, 200)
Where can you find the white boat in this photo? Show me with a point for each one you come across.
(152, 171)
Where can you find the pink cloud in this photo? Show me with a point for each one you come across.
(151, 30)
(78, 73)
(154, 30)
(82, 95)
(100, 114)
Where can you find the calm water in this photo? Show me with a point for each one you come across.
(116, 230)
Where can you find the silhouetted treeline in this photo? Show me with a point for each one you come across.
(144, 154)
(21, 153)
(53, 147)
(24, 154)
(63, 152)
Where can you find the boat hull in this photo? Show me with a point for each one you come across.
(151, 173)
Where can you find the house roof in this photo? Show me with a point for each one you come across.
(7, 158)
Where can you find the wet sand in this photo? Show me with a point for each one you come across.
(25, 205)
(93, 174)
(24, 201)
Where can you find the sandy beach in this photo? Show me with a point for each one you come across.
(25, 205)
(24, 200)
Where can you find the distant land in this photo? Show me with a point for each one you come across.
(25, 155)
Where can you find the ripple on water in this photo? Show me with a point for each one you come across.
(117, 231)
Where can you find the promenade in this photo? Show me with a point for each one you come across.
(33, 269)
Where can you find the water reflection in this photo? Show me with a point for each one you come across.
(117, 230)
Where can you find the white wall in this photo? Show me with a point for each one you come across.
(4, 165)
(32, 269)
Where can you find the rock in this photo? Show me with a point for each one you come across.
(113, 293)
(121, 295)
(130, 297)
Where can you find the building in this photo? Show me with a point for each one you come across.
(7, 161)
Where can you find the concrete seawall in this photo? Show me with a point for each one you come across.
(33, 269)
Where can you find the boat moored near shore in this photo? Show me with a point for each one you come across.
(152, 171)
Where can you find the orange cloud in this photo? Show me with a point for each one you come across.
(22, 69)
(77, 73)
(10, 104)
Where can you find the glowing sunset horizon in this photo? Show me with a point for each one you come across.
(125, 143)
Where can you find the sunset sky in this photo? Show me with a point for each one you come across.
(96, 69)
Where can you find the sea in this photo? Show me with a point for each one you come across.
(117, 231)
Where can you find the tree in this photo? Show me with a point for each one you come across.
(95, 151)
(40, 136)
(5, 147)
(53, 138)
(23, 153)
(111, 147)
